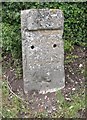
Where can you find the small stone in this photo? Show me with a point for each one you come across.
(66, 95)
(76, 82)
(73, 89)
(80, 65)
(11, 96)
(48, 98)
(53, 108)
(40, 99)
(58, 101)
(8, 110)
(81, 82)
(69, 88)
(68, 99)
(45, 97)
(38, 105)
(36, 99)
(49, 111)
(33, 108)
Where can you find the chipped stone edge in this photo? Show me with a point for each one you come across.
(51, 90)
(48, 91)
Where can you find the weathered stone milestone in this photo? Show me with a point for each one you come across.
(42, 49)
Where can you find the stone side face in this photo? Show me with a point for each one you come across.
(42, 50)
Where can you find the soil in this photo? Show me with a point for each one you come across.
(74, 78)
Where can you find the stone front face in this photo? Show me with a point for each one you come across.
(42, 48)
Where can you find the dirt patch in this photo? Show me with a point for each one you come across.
(74, 78)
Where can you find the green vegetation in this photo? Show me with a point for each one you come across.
(12, 106)
(70, 109)
(74, 34)
(74, 25)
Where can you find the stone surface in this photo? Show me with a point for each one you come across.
(43, 50)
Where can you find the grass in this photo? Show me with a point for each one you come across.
(70, 109)
(68, 45)
(74, 28)
(12, 106)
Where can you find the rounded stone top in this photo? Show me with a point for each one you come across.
(35, 19)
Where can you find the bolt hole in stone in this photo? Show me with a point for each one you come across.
(55, 45)
(32, 47)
